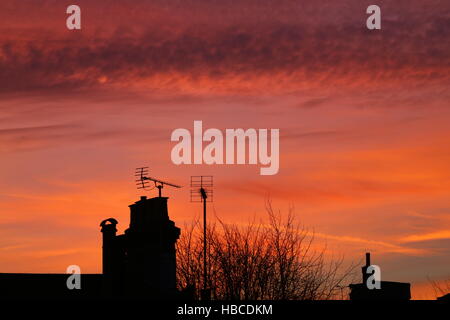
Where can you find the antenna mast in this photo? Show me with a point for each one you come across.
(143, 180)
(202, 191)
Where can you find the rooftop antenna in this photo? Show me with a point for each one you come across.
(202, 191)
(143, 181)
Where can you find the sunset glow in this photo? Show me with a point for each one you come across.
(363, 119)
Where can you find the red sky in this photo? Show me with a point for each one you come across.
(363, 118)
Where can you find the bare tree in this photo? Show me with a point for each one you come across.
(440, 288)
(273, 260)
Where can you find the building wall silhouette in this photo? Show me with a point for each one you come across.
(139, 263)
(389, 290)
(142, 261)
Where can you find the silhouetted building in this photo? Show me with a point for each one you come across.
(444, 298)
(50, 285)
(140, 263)
(389, 290)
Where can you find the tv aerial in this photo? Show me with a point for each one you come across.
(201, 188)
(202, 191)
(143, 181)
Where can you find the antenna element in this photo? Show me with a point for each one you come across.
(143, 180)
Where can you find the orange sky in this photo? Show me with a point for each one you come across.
(363, 119)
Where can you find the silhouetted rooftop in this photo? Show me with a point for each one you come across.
(44, 285)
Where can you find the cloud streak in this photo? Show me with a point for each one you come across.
(435, 235)
(234, 57)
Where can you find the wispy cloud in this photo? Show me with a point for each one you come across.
(435, 235)
(281, 55)
(383, 246)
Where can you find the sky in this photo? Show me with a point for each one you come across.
(363, 118)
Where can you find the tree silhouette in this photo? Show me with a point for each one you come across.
(274, 260)
(440, 288)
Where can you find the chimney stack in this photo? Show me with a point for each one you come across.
(365, 276)
(367, 259)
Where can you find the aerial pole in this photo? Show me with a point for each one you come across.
(205, 270)
(205, 183)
